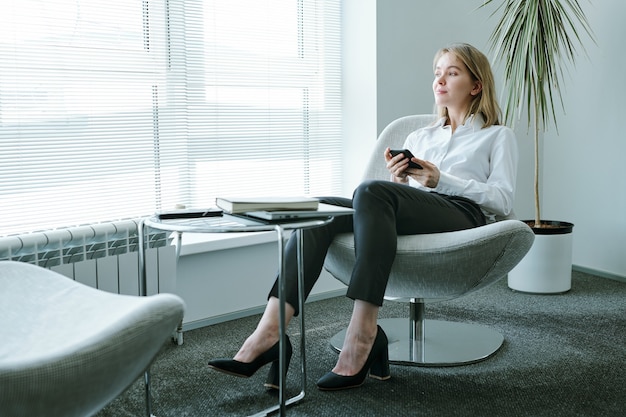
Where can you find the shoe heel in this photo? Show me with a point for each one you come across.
(380, 366)
(273, 376)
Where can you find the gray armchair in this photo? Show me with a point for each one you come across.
(435, 267)
(69, 349)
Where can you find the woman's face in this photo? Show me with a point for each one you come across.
(454, 86)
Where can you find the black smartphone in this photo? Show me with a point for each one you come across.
(407, 154)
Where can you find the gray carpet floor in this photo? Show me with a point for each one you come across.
(563, 355)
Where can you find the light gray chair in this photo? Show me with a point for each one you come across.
(69, 349)
(435, 267)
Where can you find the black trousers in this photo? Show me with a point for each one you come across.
(383, 210)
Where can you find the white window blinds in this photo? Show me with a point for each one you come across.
(115, 109)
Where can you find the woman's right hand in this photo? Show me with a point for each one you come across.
(397, 165)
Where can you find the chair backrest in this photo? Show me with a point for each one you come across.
(393, 136)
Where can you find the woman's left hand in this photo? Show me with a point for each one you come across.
(428, 176)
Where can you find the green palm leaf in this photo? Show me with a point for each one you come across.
(536, 40)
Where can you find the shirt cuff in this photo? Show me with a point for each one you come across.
(450, 185)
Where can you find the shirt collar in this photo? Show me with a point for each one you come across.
(474, 122)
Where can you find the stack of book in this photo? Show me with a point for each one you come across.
(236, 205)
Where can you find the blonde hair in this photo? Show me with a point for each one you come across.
(485, 102)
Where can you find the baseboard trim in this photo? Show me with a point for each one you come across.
(599, 273)
(196, 324)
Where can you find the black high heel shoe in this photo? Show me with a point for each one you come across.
(247, 369)
(377, 364)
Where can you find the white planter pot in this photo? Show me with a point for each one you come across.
(547, 267)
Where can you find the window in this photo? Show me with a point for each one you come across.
(112, 110)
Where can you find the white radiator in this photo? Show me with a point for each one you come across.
(103, 256)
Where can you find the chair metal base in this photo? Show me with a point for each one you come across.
(444, 344)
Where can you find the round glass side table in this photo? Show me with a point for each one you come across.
(227, 223)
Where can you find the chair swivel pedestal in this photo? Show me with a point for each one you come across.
(420, 342)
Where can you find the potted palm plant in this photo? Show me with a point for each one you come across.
(535, 40)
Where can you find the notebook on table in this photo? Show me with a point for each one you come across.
(323, 210)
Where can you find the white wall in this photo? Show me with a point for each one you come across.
(584, 169)
(359, 88)
(226, 276)
(409, 34)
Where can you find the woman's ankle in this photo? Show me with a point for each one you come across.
(353, 355)
(255, 345)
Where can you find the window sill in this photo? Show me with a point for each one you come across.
(195, 243)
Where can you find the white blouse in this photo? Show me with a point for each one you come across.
(475, 163)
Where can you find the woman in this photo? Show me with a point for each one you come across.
(466, 178)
